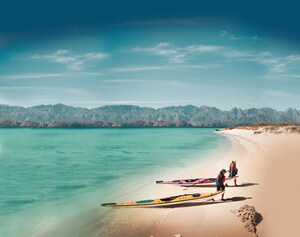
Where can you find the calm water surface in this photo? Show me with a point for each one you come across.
(51, 177)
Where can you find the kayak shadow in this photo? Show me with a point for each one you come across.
(243, 185)
(236, 199)
(227, 200)
(213, 185)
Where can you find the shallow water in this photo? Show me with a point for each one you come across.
(52, 180)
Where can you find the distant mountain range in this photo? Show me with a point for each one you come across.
(197, 116)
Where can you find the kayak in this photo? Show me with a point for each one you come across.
(186, 198)
(195, 182)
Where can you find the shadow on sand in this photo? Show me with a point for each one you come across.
(213, 185)
(243, 185)
(227, 200)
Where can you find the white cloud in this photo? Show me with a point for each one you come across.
(208, 66)
(163, 44)
(31, 76)
(168, 67)
(278, 64)
(293, 58)
(275, 63)
(49, 75)
(225, 34)
(293, 76)
(233, 53)
(162, 49)
(91, 73)
(72, 61)
(19, 87)
(201, 48)
(43, 91)
(56, 89)
(127, 80)
(279, 76)
(62, 51)
(176, 54)
(153, 82)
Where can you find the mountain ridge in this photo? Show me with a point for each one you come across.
(197, 116)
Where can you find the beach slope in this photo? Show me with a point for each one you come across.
(268, 159)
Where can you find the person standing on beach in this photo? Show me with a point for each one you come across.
(233, 170)
(220, 182)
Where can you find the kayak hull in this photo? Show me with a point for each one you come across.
(196, 182)
(169, 201)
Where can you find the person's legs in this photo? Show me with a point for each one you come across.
(223, 189)
(234, 173)
(220, 188)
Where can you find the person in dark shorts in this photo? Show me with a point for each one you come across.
(233, 170)
(220, 182)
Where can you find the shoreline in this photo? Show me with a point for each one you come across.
(154, 220)
(258, 156)
(209, 218)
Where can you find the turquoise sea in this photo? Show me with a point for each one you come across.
(53, 180)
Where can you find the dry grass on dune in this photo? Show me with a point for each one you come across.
(270, 128)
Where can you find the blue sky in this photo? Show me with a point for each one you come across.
(180, 58)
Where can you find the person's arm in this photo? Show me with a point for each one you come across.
(220, 179)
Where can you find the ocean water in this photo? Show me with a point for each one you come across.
(53, 180)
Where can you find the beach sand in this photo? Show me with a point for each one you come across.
(268, 164)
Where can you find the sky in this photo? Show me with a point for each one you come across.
(91, 54)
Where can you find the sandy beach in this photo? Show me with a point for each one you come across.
(267, 163)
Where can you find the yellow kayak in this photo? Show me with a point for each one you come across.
(195, 197)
